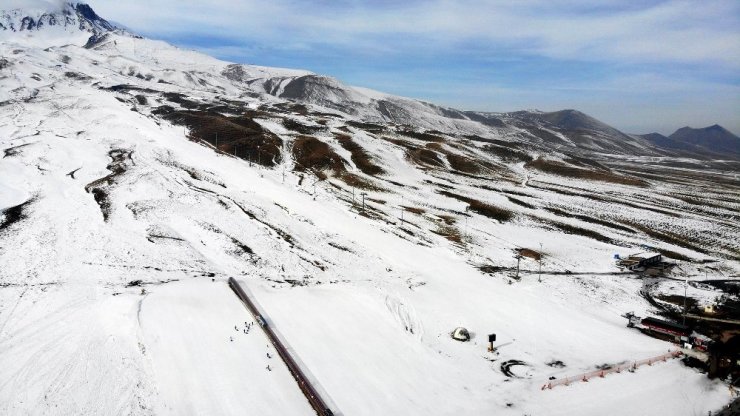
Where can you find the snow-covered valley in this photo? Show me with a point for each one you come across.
(138, 177)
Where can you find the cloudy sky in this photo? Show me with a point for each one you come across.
(641, 66)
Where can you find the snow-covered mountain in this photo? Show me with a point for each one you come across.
(137, 178)
(67, 21)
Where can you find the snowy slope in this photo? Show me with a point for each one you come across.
(122, 224)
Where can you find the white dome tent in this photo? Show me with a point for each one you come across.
(461, 334)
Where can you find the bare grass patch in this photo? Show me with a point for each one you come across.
(414, 210)
(463, 164)
(482, 208)
(666, 236)
(311, 154)
(562, 169)
(532, 254)
(521, 203)
(360, 157)
(358, 182)
(425, 136)
(369, 127)
(293, 125)
(426, 157)
(589, 219)
(508, 154)
(238, 135)
(450, 233)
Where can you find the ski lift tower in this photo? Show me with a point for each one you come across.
(518, 260)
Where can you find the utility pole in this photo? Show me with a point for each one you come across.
(217, 141)
(518, 259)
(539, 278)
(235, 147)
(466, 221)
(353, 196)
(402, 200)
(685, 292)
(363, 200)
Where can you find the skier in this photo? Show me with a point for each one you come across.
(268, 367)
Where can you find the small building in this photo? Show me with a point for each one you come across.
(665, 327)
(461, 334)
(671, 331)
(641, 261)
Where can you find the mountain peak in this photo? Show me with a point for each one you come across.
(67, 17)
(715, 128)
(713, 138)
(653, 136)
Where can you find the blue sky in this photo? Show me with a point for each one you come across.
(640, 66)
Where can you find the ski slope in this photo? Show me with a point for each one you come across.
(117, 303)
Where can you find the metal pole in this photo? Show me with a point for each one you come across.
(539, 278)
(685, 289)
(216, 141)
(402, 200)
(466, 223)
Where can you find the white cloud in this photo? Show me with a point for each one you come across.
(34, 4)
(696, 45)
(674, 31)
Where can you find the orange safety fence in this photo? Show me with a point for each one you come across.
(614, 369)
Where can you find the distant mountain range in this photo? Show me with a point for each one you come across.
(566, 131)
(710, 141)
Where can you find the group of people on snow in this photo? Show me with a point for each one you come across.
(245, 330)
